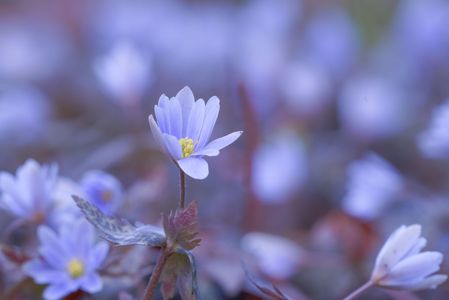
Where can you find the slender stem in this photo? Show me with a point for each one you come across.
(182, 181)
(156, 274)
(359, 291)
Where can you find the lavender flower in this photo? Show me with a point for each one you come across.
(401, 265)
(28, 195)
(183, 129)
(124, 72)
(69, 260)
(434, 142)
(372, 185)
(103, 190)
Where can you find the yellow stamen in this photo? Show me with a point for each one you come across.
(187, 147)
(75, 267)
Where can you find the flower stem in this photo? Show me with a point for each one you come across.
(156, 274)
(182, 181)
(359, 291)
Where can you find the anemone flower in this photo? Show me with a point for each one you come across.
(183, 130)
(401, 264)
(69, 260)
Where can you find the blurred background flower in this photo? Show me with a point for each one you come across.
(343, 105)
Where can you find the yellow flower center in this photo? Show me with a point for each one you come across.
(187, 147)
(106, 196)
(75, 267)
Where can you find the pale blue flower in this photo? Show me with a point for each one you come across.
(285, 156)
(434, 141)
(125, 72)
(69, 260)
(183, 130)
(103, 190)
(29, 194)
(373, 183)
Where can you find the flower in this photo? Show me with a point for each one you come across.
(434, 141)
(372, 185)
(401, 265)
(103, 190)
(124, 72)
(286, 157)
(183, 129)
(29, 194)
(274, 255)
(68, 260)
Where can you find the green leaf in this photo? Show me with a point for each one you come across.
(181, 228)
(119, 231)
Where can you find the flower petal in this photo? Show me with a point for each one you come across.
(430, 282)
(195, 167)
(157, 135)
(59, 290)
(43, 273)
(417, 266)
(160, 117)
(224, 141)
(92, 283)
(173, 146)
(186, 100)
(395, 248)
(206, 152)
(211, 115)
(196, 120)
(98, 255)
(175, 118)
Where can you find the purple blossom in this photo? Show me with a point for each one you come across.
(103, 190)
(124, 72)
(29, 194)
(69, 260)
(373, 183)
(434, 141)
(183, 130)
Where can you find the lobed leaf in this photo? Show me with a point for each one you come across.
(181, 227)
(119, 231)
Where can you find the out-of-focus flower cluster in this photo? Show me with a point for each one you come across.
(345, 111)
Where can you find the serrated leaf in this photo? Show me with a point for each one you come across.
(119, 231)
(181, 227)
(180, 271)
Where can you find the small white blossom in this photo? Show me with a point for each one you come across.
(401, 264)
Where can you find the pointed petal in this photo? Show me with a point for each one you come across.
(211, 115)
(173, 146)
(186, 100)
(417, 266)
(160, 117)
(175, 118)
(157, 134)
(206, 152)
(42, 273)
(59, 290)
(430, 282)
(225, 141)
(98, 254)
(196, 120)
(195, 167)
(92, 283)
(395, 248)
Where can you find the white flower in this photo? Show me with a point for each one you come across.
(401, 265)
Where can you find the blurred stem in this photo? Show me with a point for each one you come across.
(359, 291)
(156, 274)
(182, 181)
